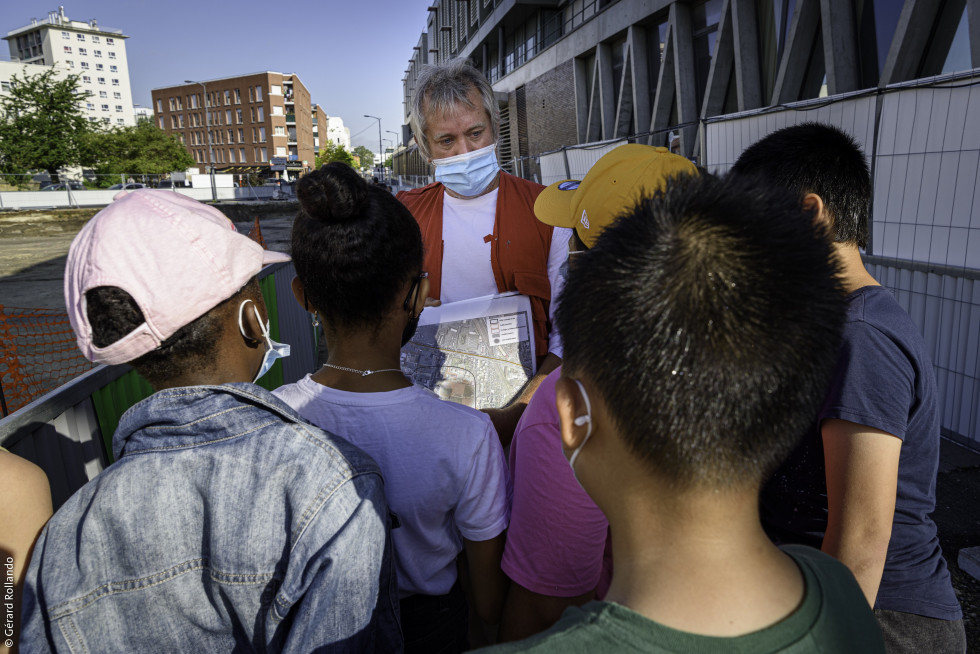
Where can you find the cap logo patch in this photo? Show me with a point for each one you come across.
(585, 219)
(569, 186)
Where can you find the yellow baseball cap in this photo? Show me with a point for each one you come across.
(612, 186)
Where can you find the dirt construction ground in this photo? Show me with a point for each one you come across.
(35, 244)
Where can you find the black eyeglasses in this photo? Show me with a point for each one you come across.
(410, 299)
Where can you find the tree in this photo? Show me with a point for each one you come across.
(367, 157)
(42, 126)
(140, 149)
(334, 152)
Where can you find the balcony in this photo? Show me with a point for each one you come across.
(290, 119)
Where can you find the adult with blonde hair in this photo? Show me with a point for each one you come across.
(477, 221)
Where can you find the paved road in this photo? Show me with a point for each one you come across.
(33, 263)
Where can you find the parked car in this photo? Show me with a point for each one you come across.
(130, 186)
(75, 186)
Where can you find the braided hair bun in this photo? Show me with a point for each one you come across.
(333, 194)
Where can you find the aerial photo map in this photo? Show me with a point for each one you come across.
(477, 352)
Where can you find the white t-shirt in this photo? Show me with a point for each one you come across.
(466, 270)
(444, 471)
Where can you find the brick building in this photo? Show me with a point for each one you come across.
(252, 118)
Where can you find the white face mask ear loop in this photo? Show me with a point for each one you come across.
(582, 420)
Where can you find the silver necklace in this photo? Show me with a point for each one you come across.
(362, 373)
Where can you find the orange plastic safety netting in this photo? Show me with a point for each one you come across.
(37, 354)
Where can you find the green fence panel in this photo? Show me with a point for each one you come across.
(112, 400)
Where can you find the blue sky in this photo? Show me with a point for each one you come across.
(350, 54)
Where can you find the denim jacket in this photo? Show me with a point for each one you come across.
(226, 523)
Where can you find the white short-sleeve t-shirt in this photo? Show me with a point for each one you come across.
(466, 270)
(444, 470)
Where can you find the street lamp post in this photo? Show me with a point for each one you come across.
(381, 151)
(207, 121)
(397, 137)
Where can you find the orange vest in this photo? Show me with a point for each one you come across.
(518, 254)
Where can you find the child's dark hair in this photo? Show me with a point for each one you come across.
(816, 158)
(113, 313)
(354, 246)
(708, 318)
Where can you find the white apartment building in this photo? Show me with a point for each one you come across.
(335, 131)
(96, 54)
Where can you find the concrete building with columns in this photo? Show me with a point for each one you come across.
(580, 71)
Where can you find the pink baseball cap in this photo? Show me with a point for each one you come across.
(177, 258)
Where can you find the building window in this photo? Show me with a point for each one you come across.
(119, 111)
(227, 116)
(264, 153)
(97, 53)
(117, 95)
(99, 67)
(238, 116)
(101, 80)
(281, 151)
(90, 106)
(71, 64)
(277, 110)
(279, 130)
(238, 97)
(106, 120)
(67, 49)
(173, 122)
(80, 37)
(180, 119)
(83, 51)
(241, 135)
(112, 55)
(231, 136)
(258, 93)
(87, 79)
(161, 122)
(115, 81)
(5, 86)
(103, 94)
(85, 65)
(260, 112)
(65, 35)
(93, 119)
(105, 107)
(261, 135)
(120, 121)
(241, 154)
(113, 68)
(110, 41)
(227, 96)
(231, 155)
(251, 94)
(275, 89)
(95, 39)
(173, 104)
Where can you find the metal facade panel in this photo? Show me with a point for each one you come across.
(295, 328)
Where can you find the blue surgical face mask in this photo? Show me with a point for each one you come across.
(470, 173)
(273, 350)
(578, 422)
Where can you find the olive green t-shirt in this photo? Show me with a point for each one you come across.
(833, 617)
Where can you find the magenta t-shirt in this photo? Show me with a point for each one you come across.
(557, 541)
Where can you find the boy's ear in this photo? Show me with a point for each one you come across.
(251, 327)
(570, 405)
(814, 204)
